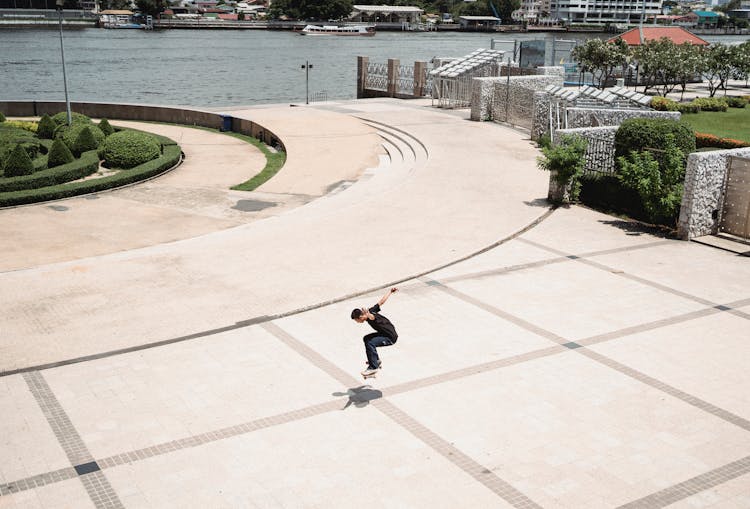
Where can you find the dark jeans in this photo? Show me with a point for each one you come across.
(372, 342)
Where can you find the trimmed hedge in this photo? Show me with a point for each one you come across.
(636, 134)
(59, 154)
(736, 102)
(127, 149)
(711, 103)
(62, 118)
(709, 140)
(18, 163)
(79, 168)
(147, 170)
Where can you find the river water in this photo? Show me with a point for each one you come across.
(213, 67)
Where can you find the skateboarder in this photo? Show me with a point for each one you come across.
(385, 334)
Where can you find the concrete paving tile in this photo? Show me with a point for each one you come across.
(578, 230)
(28, 445)
(331, 460)
(575, 300)
(69, 494)
(508, 255)
(558, 416)
(185, 389)
(666, 265)
(705, 357)
(434, 334)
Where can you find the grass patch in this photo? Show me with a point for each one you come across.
(732, 123)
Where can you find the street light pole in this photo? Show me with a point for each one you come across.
(59, 5)
(307, 68)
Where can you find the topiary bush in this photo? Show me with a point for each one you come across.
(62, 118)
(10, 137)
(106, 128)
(639, 133)
(663, 104)
(711, 103)
(59, 154)
(46, 128)
(85, 141)
(2, 117)
(18, 163)
(126, 149)
(70, 135)
(688, 108)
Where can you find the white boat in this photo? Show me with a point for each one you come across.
(337, 30)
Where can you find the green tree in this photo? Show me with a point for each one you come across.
(717, 66)
(152, 7)
(659, 65)
(741, 62)
(601, 58)
(311, 9)
(689, 64)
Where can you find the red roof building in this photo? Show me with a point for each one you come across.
(677, 35)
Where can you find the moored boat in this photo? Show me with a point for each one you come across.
(360, 30)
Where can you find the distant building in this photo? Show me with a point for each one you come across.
(707, 19)
(478, 22)
(678, 35)
(386, 14)
(604, 11)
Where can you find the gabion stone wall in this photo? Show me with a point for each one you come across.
(592, 117)
(489, 95)
(481, 96)
(600, 152)
(556, 70)
(702, 200)
(519, 95)
(540, 120)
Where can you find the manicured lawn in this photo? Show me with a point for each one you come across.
(733, 123)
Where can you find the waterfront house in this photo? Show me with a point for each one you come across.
(478, 22)
(707, 19)
(386, 14)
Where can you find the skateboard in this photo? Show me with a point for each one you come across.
(373, 375)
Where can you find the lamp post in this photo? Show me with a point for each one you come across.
(59, 6)
(307, 68)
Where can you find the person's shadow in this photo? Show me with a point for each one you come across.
(359, 396)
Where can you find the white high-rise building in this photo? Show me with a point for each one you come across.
(604, 11)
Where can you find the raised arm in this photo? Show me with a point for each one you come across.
(385, 297)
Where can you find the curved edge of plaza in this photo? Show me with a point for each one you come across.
(463, 187)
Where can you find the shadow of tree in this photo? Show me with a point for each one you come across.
(359, 396)
(634, 228)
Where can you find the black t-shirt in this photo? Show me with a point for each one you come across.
(382, 324)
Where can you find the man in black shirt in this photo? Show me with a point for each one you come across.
(385, 334)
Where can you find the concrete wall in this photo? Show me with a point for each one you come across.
(702, 200)
(167, 114)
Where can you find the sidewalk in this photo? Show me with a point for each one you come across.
(580, 363)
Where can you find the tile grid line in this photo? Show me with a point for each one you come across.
(97, 486)
(481, 474)
(692, 486)
(694, 401)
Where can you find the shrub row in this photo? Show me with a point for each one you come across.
(699, 104)
(709, 140)
(147, 170)
(79, 168)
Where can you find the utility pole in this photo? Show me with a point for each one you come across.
(307, 68)
(59, 5)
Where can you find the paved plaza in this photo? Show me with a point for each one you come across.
(204, 357)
